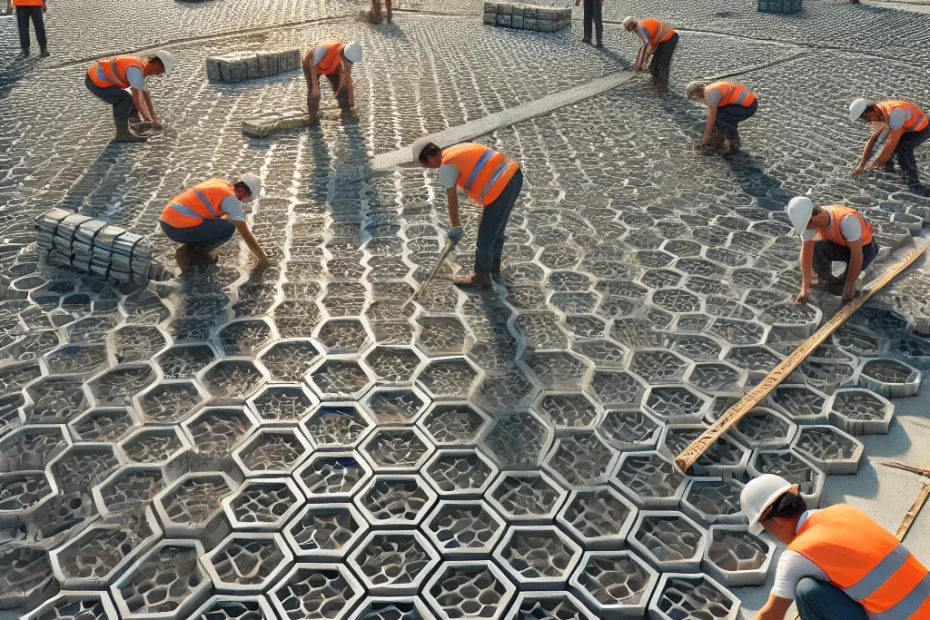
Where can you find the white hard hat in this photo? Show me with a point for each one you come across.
(629, 21)
(799, 211)
(167, 59)
(856, 108)
(758, 495)
(353, 52)
(254, 183)
(418, 147)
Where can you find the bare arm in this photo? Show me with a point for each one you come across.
(709, 126)
(138, 100)
(855, 268)
(349, 84)
(867, 151)
(147, 98)
(775, 608)
(807, 268)
(314, 77)
(452, 197)
(891, 143)
(250, 240)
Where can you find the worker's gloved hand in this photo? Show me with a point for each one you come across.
(849, 292)
(455, 235)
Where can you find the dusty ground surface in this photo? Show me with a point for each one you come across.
(227, 431)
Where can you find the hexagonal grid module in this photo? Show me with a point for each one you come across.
(538, 557)
(75, 606)
(395, 405)
(263, 504)
(282, 404)
(568, 410)
(452, 378)
(677, 404)
(316, 592)
(713, 500)
(397, 449)
(340, 379)
(692, 597)
(192, 507)
(104, 425)
(614, 584)
(392, 608)
(736, 558)
(27, 578)
(169, 402)
(617, 388)
(890, 378)
(393, 562)
(273, 452)
(830, 449)
(332, 476)
(216, 431)
(545, 605)
(630, 429)
(462, 529)
(325, 531)
(289, 360)
(32, 447)
(453, 424)
(649, 479)
(724, 456)
(801, 403)
(460, 473)
(669, 541)
(84, 466)
(580, 458)
(166, 582)
(233, 607)
(859, 412)
(337, 426)
(247, 564)
(764, 427)
(516, 440)
(392, 501)
(599, 518)
(467, 589)
(526, 498)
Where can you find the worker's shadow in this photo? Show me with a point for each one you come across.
(322, 160)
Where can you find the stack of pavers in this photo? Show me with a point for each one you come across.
(525, 17)
(90, 246)
(271, 122)
(251, 65)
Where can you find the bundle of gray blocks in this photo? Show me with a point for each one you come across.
(251, 65)
(272, 122)
(525, 17)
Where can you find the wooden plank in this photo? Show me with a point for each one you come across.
(911, 515)
(781, 372)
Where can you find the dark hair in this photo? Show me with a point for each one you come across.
(429, 150)
(817, 210)
(158, 60)
(241, 185)
(869, 108)
(788, 505)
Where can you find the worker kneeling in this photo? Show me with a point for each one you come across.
(491, 180)
(728, 105)
(839, 565)
(334, 60)
(109, 78)
(205, 217)
(903, 126)
(832, 233)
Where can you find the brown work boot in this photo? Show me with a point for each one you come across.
(716, 139)
(183, 257)
(479, 280)
(44, 53)
(661, 86)
(124, 135)
(204, 257)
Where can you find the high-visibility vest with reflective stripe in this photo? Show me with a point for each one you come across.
(198, 204)
(656, 31)
(483, 172)
(111, 72)
(28, 2)
(332, 60)
(918, 120)
(732, 94)
(833, 232)
(865, 561)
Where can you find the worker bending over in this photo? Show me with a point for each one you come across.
(109, 78)
(205, 217)
(728, 105)
(659, 42)
(903, 125)
(832, 233)
(839, 565)
(334, 60)
(491, 180)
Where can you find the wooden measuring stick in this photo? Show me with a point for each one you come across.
(754, 396)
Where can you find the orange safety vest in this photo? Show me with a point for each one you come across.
(656, 31)
(199, 203)
(833, 232)
(332, 60)
(733, 94)
(918, 120)
(28, 2)
(865, 561)
(483, 172)
(111, 72)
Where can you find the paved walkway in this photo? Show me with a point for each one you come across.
(313, 415)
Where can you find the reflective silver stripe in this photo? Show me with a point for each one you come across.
(494, 177)
(874, 579)
(743, 95)
(479, 166)
(207, 204)
(909, 604)
(101, 75)
(662, 30)
(185, 211)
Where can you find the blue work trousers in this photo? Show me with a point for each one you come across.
(493, 223)
(819, 600)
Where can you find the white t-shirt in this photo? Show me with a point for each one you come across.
(793, 567)
(319, 53)
(850, 228)
(233, 208)
(136, 79)
(898, 117)
(448, 175)
(712, 97)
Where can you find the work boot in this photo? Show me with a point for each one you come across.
(124, 135)
(25, 51)
(734, 146)
(599, 45)
(479, 280)
(716, 139)
(584, 40)
(44, 53)
(919, 189)
(183, 257)
(205, 257)
(661, 86)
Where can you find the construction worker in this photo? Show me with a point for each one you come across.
(593, 10)
(839, 565)
(831, 233)
(903, 125)
(491, 180)
(659, 42)
(109, 78)
(334, 60)
(728, 105)
(26, 10)
(205, 217)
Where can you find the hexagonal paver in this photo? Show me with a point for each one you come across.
(650, 479)
(169, 402)
(216, 431)
(316, 592)
(332, 476)
(392, 608)
(282, 404)
(460, 473)
(395, 501)
(117, 386)
(630, 429)
(469, 589)
(184, 361)
(736, 558)
(153, 445)
(325, 531)
(27, 578)
(684, 596)
(450, 378)
(669, 541)
(75, 606)
(393, 562)
(453, 424)
(544, 605)
(337, 426)
(830, 449)
(397, 449)
(232, 381)
(340, 379)
(526, 498)
(859, 412)
(247, 564)
(890, 378)
(677, 404)
(724, 457)
(463, 529)
(192, 507)
(580, 458)
(235, 607)
(516, 440)
(397, 406)
(615, 584)
(713, 500)
(289, 360)
(54, 400)
(110, 424)
(599, 518)
(617, 388)
(129, 489)
(537, 556)
(273, 452)
(263, 504)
